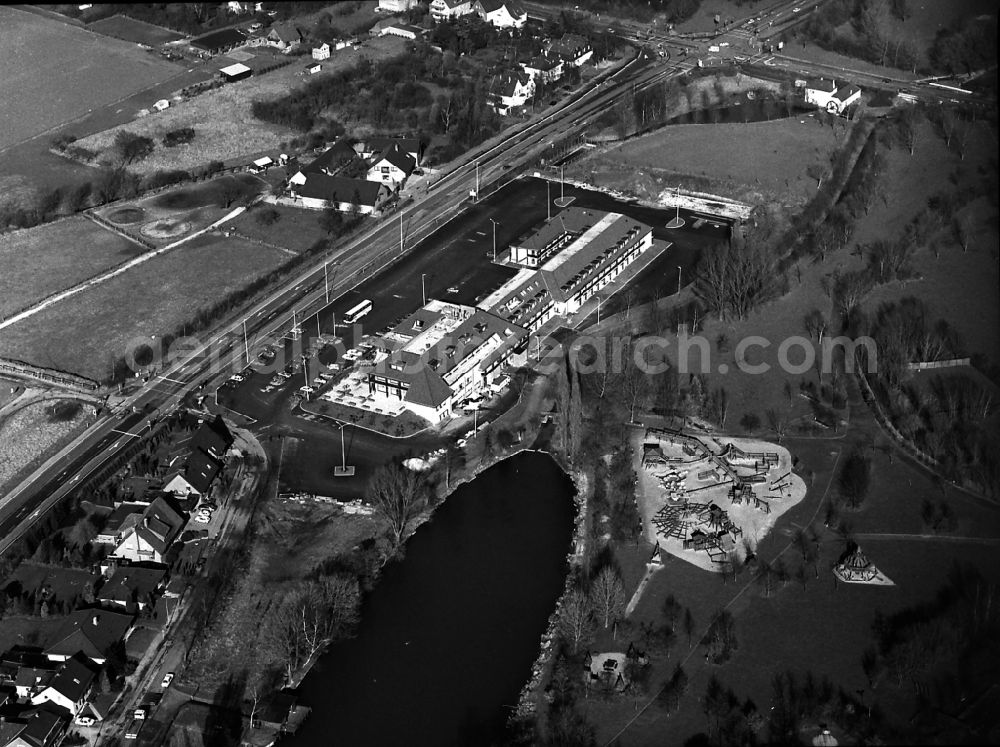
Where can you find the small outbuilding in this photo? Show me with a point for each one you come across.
(261, 164)
(235, 72)
(312, 68)
(161, 105)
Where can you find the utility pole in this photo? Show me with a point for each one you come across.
(305, 375)
(400, 231)
(562, 183)
(423, 288)
(246, 342)
(477, 180)
(598, 309)
(326, 280)
(494, 239)
(548, 199)
(678, 278)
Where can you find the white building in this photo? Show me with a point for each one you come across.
(544, 69)
(393, 167)
(503, 14)
(150, 539)
(443, 10)
(322, 52)
(825, 94)
(511, 90)
(320, 191)
(396, 6)
(70, 687)
(441, 354)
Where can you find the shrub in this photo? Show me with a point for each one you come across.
(178, 137)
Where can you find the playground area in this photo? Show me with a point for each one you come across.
(706, 499)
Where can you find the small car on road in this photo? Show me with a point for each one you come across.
(167, 679)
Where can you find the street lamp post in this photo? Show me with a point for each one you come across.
(678, 278)
(246, 342)
(494, 239)
(598, 309)
(423, 288)
(343, 470)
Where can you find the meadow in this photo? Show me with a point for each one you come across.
(753, 162)
(37, 262)
(153, 298)
(224, 125)
(27, 435)
(41, 90)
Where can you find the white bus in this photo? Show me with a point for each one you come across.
(357, 312)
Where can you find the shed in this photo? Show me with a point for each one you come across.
(313, 67)
(236, 71)
(261, 164)
(161, 105)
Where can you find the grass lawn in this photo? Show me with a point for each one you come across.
(753, 161)
(40, 90)
(32, 631)
(296, 228)
(36, 262)
(130, 29)
(958, 286)
(703, 19)
(152, 299)
(222, 120)
(66, 583)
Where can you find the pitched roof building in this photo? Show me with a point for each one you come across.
(503, 14)
(393, 167)
(131, 587)
(90, 632)
(150, 539)
(70, 686)
(347, 195)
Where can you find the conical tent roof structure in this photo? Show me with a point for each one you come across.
(855, 566)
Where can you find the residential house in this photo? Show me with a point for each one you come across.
(322, 191)
(150, 539)
(31, 680)
(119, 522)
(441, 354)
(328, 162)
(503, 14)
(214, 438)
(510, 91)
(543, 69)
(322, 52)
(193, 476)
(396, 6)
(284, 36)
(91, 632)
(131, 587)
(574, 50)
(445, 10)
(39, 727)
(826, 94)
(235, 72)
(70, 687)
(409, 145)
(392, 168)
(98, 706)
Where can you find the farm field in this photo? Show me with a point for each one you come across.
(26, 435)
(37, 262)
(152, 299)
(41, 90)
(222, 120)
(130, 29)
(754, 162)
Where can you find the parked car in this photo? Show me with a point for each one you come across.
(167, 679)
(82, 720)
(203, 518)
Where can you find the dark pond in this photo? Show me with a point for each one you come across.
(449, 635)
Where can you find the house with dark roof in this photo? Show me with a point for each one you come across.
(543, 69)
(411, 146)
(217, 42)
(90, 632)
(574, 50)
(328, 162)
(70, 687)
(37, 727)
(392, 168)
(32, 679)
(150, 539)
(510, 90)
(213, 437)
(441, 354)
(193, 475)
(503, 14)
(284, 36)
(131, 587)
(322, 191)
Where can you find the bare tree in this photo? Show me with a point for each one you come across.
(816, 325)
(398, 495)
(776, 422)
(608, 595)
(576, 618)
